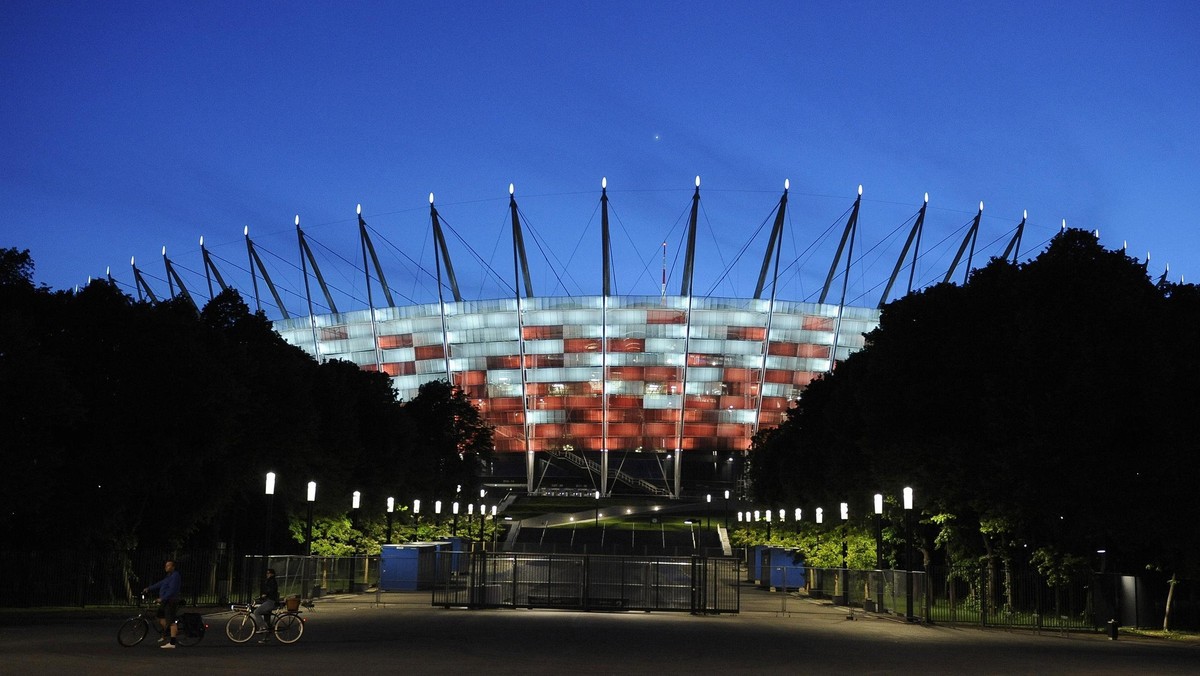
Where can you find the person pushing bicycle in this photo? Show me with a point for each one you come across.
(169, 591)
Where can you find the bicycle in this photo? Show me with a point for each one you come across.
(134, 630)
(286, 624)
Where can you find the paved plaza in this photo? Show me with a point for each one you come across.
(402, 633)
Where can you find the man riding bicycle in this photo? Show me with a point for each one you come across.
(268, 599)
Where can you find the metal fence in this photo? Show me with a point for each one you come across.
(210, 577)
(587, 582)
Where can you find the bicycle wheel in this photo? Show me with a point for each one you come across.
(288, 628)
(133, 631)
(240, 628)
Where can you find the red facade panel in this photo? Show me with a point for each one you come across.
(573, 345)
(424, 352)
(395, 341)
(399, 368)
(626, 345)
(547, 332)
(812, 323)
(813, 351)
(746, 333)
(666, 317)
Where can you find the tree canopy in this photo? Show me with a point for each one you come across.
(1048, 406)
(127, 423)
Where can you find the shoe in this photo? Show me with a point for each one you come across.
(162, 640)
(167, 645)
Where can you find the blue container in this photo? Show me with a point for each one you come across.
(407, 567)
(783, 569)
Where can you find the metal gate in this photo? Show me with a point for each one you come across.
(695, 584)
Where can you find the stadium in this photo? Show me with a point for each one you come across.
(621, 394)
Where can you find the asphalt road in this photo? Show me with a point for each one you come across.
(772, 635)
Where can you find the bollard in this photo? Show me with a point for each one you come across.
(1113, 624)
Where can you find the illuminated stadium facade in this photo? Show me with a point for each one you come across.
(621, 394)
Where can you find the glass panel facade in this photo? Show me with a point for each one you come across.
(592, 373)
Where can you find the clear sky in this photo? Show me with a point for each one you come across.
(126, 127)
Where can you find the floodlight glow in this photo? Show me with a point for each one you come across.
(270, 483)
(312, 491)
(927, 198)
(437, 507)
(246, 230)
(391, 505)
(164, 250)
(860, 189)
(820, 515)
(131, 260)
(297, 220)
(787, 184)
(908, 497)
(1025, 214)
(845, 510)
(416, 506)
(359, 211)
(355, 500)
(604, 182)
(431, 199)
(454, 507)
(201, 240)
(799, 514)
(697, 180)
(981, 205)
(879, 503)
(511, 189)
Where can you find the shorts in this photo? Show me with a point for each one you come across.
(168, 610)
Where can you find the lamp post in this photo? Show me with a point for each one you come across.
(437, 511)
(454, 524)
(708, 512)
(482, 519)
(908, 576)
(768, 515)
(312, 497)
(270, 493)
(799, 517)
(844, 574)
(416, 512)
(597, 496)
(355, 501)
(726, 510)
(391, 507)
(879, 551)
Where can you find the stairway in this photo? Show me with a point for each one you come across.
(616, 474)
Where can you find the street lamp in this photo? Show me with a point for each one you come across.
(843, 574)
(908, 577)
(391, 507)
(270, 493)
(879, 550)
(416, 512)
(597, 496)
(768, 515)
(726, 510)
(799, 516)
(312, 497)
(355, 501)
(454, 526)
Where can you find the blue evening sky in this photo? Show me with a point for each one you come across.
(129, 126)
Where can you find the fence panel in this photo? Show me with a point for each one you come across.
(589, 582)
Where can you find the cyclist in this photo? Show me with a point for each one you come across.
(169, 591)
(268, 599)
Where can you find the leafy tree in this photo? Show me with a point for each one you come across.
(1046, 403)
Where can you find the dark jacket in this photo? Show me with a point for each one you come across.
(269, 589)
